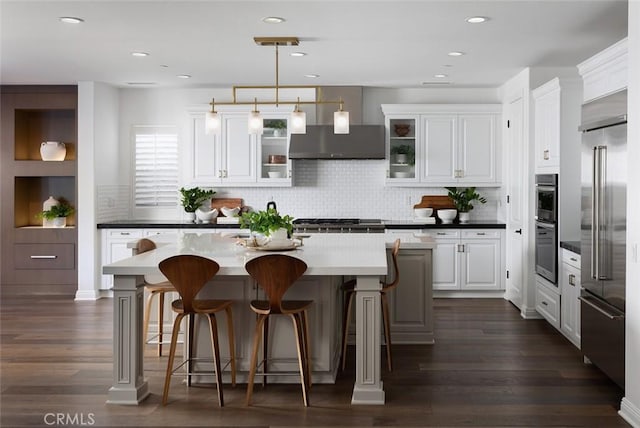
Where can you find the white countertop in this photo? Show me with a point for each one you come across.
(325, 254)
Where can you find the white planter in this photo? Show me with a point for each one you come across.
(189, 217)
(464, 217)
(401, 158)
(59, 222)
(53, 151)
(279, 235)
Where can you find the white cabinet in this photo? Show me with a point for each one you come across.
(114, 248)
(606, 72)
(453, 144)
(468, 259)
(570, 289)
(232, 157)
(548, 301)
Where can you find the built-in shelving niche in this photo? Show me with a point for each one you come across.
(31, 192)
(34, 126)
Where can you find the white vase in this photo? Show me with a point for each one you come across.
(464, 217)
(401, 158)
(278, 132)
(53, 151)
(279, 235)
(46, 206)
(59, 222)
(190, 217)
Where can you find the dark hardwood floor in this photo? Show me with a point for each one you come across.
(489, 368)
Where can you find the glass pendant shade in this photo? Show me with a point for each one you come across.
(211, 122)
(341, 122)
(255, 123)
(298, 122)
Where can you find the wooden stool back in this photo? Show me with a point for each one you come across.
(275, 273)
(394, 258)
(144, 245)
(188, 274)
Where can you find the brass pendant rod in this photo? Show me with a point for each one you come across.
(263, 103)
(277, 76)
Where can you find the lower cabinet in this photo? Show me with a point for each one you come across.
(548, 301)
(468, 259)
(114, 248)
(570, 288)
(411, 302)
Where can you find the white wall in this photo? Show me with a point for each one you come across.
(630, 407)
(322, 188)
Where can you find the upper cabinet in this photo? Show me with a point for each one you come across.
(546, 100)
(449, 144)
(605, 72)
(233, 157)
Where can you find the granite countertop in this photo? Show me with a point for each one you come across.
(573, 246)
(389, 224)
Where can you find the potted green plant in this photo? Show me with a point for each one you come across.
(268, 223)
(462, 198)
(56, 215)
(404, 154)
(191, 199)
(278, 126)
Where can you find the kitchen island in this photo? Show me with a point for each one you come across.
(327, 256)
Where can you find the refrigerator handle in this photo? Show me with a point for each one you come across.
(611, 316)
(595, 190)
(603, 271)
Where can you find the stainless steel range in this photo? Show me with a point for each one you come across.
(337, 225)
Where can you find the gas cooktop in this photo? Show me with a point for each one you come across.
(336, 221)
(344, 225)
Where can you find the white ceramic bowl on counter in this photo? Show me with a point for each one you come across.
(230, 212)
(422, 212)
(447, 216)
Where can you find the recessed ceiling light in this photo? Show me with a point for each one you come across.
(436, 83)
(297, 54)
(164, 66)
(455, 53)
(140, 54)
(71, 20)
(183, 76)
(312, 76)
(141, 83)
(447, 65)
(273, 20)
(440, 76)
(477, 19)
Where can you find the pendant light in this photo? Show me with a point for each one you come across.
(255, 120)
(298, 120)
(212, 119)
(341, 120)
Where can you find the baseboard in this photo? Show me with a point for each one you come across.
(530, 313)
(455, 294)
(630, 412)
(87, 295)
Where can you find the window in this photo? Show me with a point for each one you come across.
(156, 166)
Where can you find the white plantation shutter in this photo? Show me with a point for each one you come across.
(156, 166)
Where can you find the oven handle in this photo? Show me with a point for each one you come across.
(545, 225)
(545, 188)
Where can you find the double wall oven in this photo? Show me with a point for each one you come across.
(546, 216)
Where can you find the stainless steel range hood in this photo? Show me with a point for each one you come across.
(362, 141)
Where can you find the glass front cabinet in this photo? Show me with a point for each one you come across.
(273, 151)
(402, 135)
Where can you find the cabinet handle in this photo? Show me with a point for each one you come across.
(519, 231)
(441, 233)
(480, 233)
(125, 233)
(388, 175)
(225, 173)
(461, 248)
(573, 259)
(290, 174)
(44, 257)
(572, 279)
(545, 303)
(545, 155)
(219, 173)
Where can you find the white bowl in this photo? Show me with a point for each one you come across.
(275, 174)
(401, 174)
(206, 216)
(230, 212)
(447, 216)
(423, 212)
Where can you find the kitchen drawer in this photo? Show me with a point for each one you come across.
(44, 256)
(480, 234)
(548, 305)
(129, 233)
(571, 258)
(444, 233)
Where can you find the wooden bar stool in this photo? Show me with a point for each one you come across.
(154, 289)
(275, 273)
(348, 288)
(188, 274)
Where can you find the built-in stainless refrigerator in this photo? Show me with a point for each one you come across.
(603, 228)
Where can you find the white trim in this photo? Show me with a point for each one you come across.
(87, 295)
(602, 58)
(530, 313)
(444, 109)
(630, 412)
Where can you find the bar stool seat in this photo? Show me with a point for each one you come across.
(189, 274)
(275, 274)
(349, 289)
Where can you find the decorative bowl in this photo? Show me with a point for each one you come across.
(206, 216)
(277, 159)
(275, 174)
(423, 212)
(402, 129)
(230, 212)
(401, 174)
(447, 216)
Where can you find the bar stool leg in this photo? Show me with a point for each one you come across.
(307, 346)
(213, 327)
(172, 354)
(191, 329)
(147, 316)
(387, 327)
(160, 321)
(265, 349)
(232, 344)
(345, 326)
(299, 345)
(254, 356)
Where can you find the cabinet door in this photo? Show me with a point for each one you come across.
(274, 165)
(205, 153)
(481, 265)
(570, 305)
(403, 152)
(438, 160)
(445, 265)
(476, 157)
(547, 132)
(238, 150)
(114, 248)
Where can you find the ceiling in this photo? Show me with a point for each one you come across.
(348, 42)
